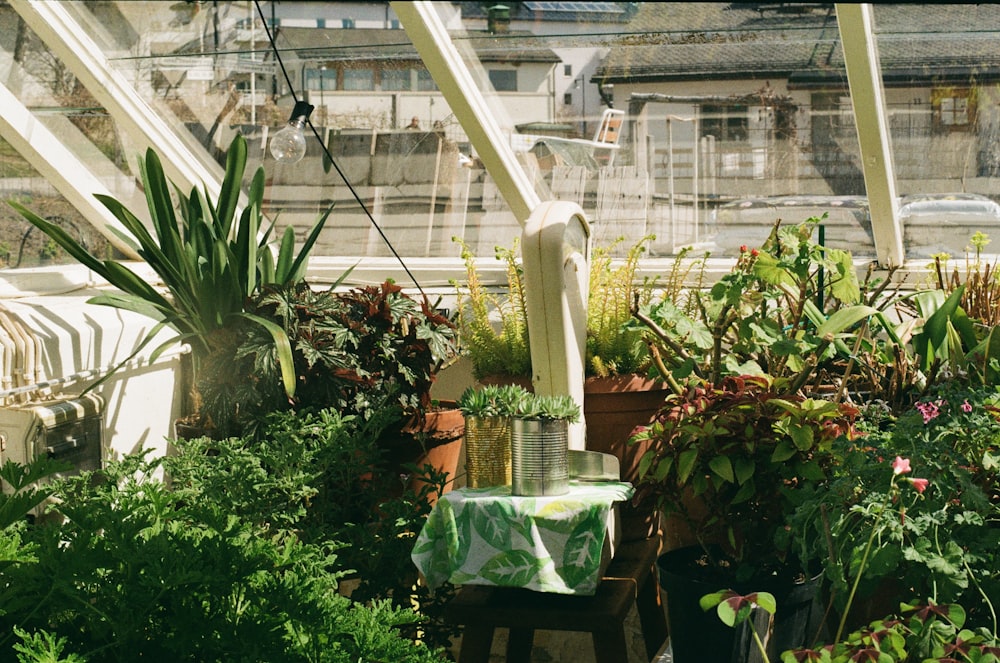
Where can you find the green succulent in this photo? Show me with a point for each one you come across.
(493, 400)
(560, 406)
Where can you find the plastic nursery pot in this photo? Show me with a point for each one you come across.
(697, 636)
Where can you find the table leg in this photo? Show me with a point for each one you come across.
(610, 645)
(519, 645)
(651, 617)
(477, 641)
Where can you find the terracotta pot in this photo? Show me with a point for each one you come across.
(434, 440)
(613, 407)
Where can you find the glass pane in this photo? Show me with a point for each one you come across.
(944, 124)
(701, 123)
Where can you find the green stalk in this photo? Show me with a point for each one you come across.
(857, 578)
(760, 645)
(989, 603)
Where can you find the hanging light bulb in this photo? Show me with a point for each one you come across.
(289, 144)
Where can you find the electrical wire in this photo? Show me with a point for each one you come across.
(326, 151)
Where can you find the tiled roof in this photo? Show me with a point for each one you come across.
(374, 44)
(687, 40)
(611, 12)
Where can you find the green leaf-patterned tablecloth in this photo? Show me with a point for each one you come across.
(485, 536)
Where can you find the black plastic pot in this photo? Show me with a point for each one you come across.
(697, 636)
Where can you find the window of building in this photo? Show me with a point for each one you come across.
(347, 23)
(359, 79)
(503, 80)
(567, 70)
(568, 99)
(953, 109)
(396, 79)
(321, 79)
(425, 82)
(725, 122)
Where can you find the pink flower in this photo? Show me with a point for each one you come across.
(900, 465)
(743, 248)
(929, 411)
(920, 485)
(966, 406)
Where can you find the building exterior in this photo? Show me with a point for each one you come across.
(761, 88)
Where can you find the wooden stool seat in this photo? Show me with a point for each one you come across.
(630, 578)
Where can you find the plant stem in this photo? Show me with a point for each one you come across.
(857, 581)
(989, 603)
(760, 644)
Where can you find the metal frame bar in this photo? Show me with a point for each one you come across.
(864, 76)
(55, 25)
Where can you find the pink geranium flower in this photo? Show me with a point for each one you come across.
(920, 485)
(900, 465)
(929, 411)
(966, 406)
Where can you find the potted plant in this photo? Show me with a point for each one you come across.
(755, 367)
(539, 445)
(209, 255)
(728, 464)
(365, 351)
(487, 411)
(618, 395)
(933, 538)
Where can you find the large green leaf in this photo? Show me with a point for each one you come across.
(844, 280)
(515, 568)
(938, 312)
(843, 319)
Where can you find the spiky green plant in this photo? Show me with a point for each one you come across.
(561, 406)
(210, 260)
(494, 326)
(501, 348)
(613, 291)
(492, 400)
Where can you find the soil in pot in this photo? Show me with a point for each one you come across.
(697, 636)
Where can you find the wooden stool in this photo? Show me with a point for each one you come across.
(630, 577)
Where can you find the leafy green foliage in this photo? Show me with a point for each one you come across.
(23, 493)
(209, 259)
(918, 632)
(788, 310)
(743, 451)
(331, 480)
(501, 349)
(359, 351)
(494, 326)
(43, 647)
(138, 570)
(611, 349)
(939, 541)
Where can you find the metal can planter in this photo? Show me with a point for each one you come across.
(487, 451)
(539, 462)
